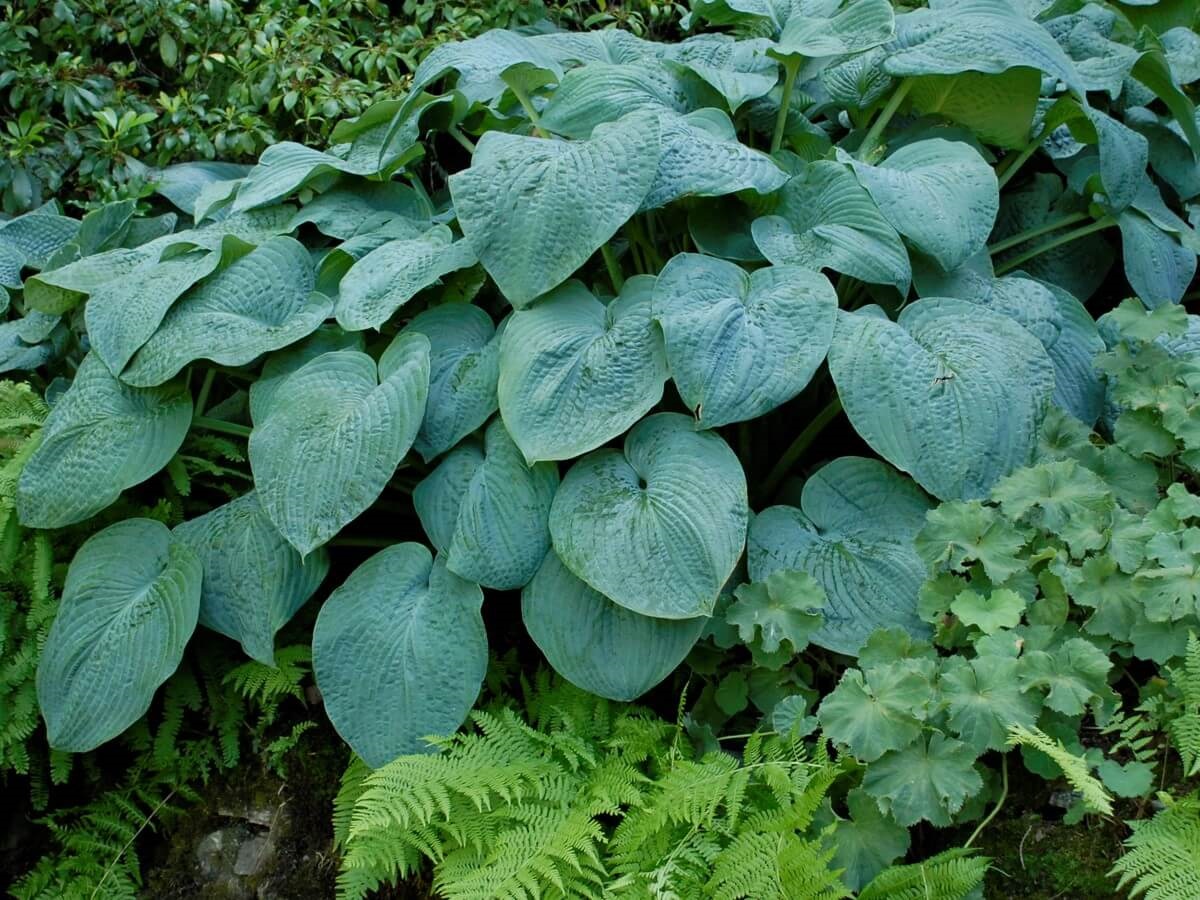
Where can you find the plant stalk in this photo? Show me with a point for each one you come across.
(614, 269)
(221, 427)
(800, 444)
(791, 68)
(1012, 165)
(1030, 233)
(205, 390)
(527, 105)
(872, 139)
(999, 802)
(1074, 235)
(465, 142)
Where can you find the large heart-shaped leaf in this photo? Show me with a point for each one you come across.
(332, 437)
(481, 62)
(536, 209)
(488, 512)
(702, 157)
(597, 93)
(951, 393)
(389, 276)
(101, 437)
(739, 71)
(999, 109)
(948, 177)
(597, 645)
(262, 302)
(399, 652)
(129, 606)
(738, 344)
(975, 36)
(659, 527)
(575, 373)
(858, 26)
(827, 220)
(360, 207)
(854, 534)
(464, 370)
(281, 364)
(254, 580)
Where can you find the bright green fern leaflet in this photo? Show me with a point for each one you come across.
(1162, 859)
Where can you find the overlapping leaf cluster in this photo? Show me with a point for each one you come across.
(627, 259)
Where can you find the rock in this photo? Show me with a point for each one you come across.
(217, 856)
(254, 856)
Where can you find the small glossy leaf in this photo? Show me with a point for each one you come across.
(263, 302)
(951, 393)
(740, 344)
(101, 437)
(498, 534)
(399, 652)
(254, 580)
(854, 534)
(597, 645)
(536, 209)
(332, 437)
(659, 527)
(575, 373)
(129, 606)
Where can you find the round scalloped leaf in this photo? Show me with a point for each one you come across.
(377, 285)
(332, 437)
(854, 534)
(597, 645)
(129, 606)
(488, 512)
(659, 527)
(939, 194)
(535, 209)
(263, 302)
(740, 344)
(827, 220)
(951, 393)
(464, 369)
(254, 580)
(399, 653)
(100, 438)
(575, 373)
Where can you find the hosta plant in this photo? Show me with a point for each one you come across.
(590, 300)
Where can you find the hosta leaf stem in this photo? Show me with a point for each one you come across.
(871, 141)
(800, 444)
(791, 68)
(1037, 231)
(1073, 235)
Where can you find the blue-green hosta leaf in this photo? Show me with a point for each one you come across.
(254, 580)
(609, 45)
(738, 70)
(999, 109)
(332, 437)
(122, 314)
(854, 534)
(600, 92)
(948, 177)
(101, 437)
(951, 393)
(739, 344)
(388, 277)
(129, 605)
(575, 373)
(857, 82)
(264, 301)
(31, 341)
(597, 645)
(124, 269)
(286, 167)
(399, 652)
(281, 364)
(1066, 330)
(1158, 266)
(361, 207)
(827, 220)
(859, 25)
(31, 240)
(535, 210)
(464, 369)
(488, 513)
(975, 36)
(337, 261)
(481, 63)
(659, 527)
(702, 157)
(930, 779)
(182, 183)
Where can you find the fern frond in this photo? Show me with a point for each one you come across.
(1162, 858)
(951, 875)
(1074, 768)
